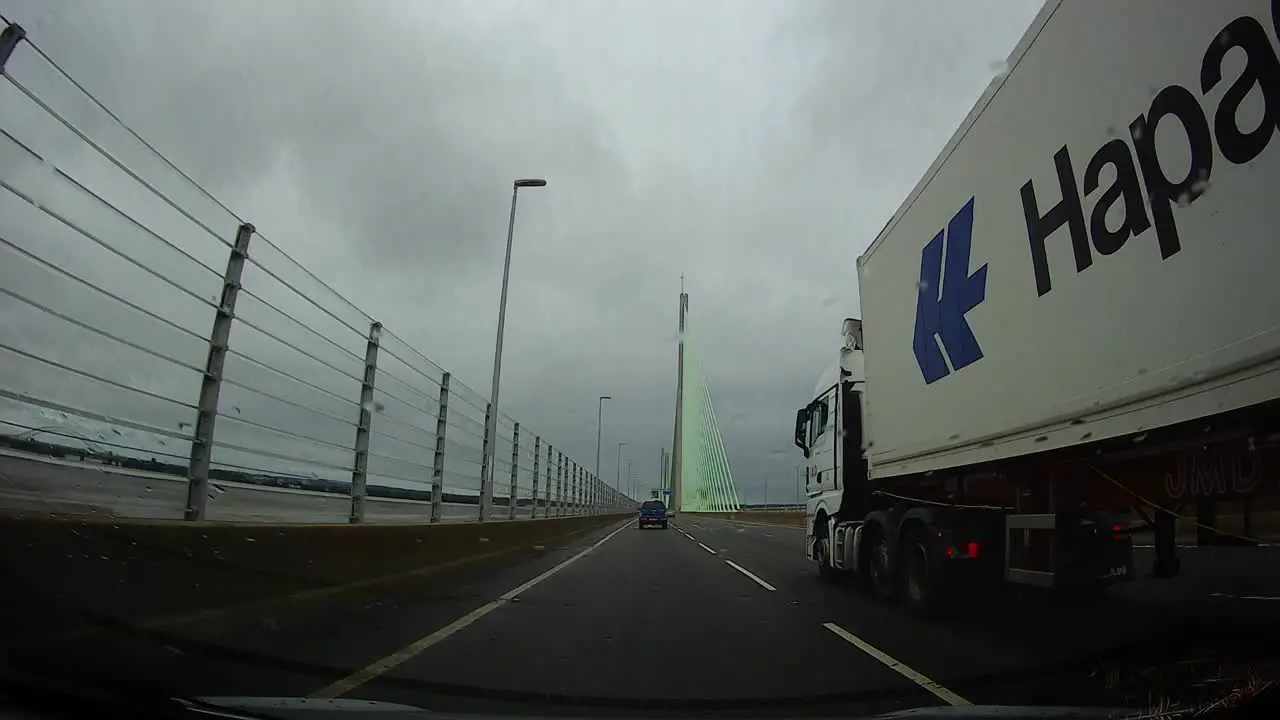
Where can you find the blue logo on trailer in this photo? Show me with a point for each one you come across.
(941, 315)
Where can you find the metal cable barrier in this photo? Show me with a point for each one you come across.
(161, 358)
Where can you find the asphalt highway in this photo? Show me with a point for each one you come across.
(713, 617)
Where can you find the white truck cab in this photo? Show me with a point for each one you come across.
(830, 431)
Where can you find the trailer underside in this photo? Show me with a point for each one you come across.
(1062, 519)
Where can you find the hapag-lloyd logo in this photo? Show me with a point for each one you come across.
(946, 292)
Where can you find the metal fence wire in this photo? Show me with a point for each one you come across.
(162, 358)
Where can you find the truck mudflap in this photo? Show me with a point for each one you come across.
(1069, 549)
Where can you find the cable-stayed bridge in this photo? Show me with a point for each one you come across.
(699, 475)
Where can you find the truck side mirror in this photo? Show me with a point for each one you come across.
(802, 423)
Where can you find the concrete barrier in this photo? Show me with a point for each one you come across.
(70, 574)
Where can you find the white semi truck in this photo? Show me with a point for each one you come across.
(1072, 323)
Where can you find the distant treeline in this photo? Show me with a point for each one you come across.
(337, 487)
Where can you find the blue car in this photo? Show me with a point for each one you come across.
(653, 513)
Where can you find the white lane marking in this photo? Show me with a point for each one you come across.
(735, 565)
(751, 575)
(915, 677)
(349, 683)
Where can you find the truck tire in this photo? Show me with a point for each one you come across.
(922, 584)
(880, 577)
(822, 555)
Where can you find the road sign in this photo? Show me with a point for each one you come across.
(666, 491)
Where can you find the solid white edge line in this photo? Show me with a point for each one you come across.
(360, 677)
(704, 547)
(940, 692)
(751, 575)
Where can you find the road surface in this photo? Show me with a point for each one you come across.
(711, 616)
(30, 484)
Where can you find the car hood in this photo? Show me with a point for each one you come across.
(292, 708)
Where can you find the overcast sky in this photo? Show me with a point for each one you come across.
(754, 146)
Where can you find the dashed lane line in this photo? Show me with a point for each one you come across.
(751, 575)
(360, 677)
(918, 678)
(733, 564)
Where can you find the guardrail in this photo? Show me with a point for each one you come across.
(148, 327)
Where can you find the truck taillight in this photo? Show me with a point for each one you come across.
(968, 550)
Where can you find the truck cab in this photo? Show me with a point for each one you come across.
(831, 432)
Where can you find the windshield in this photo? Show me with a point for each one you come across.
(304, 306)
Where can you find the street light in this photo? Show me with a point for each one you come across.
(491, 426)
(599, 416)
(617, 479)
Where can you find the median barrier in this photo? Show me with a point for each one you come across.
(66, 575)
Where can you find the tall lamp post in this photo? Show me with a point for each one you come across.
(599, 420)
(617, 479)
(491, 426)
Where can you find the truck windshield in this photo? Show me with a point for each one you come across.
(653, 505)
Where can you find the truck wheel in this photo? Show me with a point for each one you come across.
(822, 555)
(921, 584)
(883, 584)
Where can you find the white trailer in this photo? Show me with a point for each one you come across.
(1071, 317)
